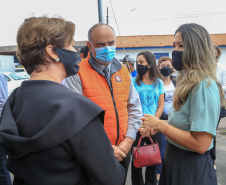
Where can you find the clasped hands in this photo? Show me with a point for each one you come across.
(149, 125)
(123, 148)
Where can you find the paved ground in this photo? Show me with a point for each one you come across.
(221, 152)
(221, 155)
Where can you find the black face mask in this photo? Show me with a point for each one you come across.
(166, 71)
(177, 60)
(141, 70)
(70, 60)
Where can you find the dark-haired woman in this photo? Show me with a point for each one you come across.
(195, 112)
(151, 92)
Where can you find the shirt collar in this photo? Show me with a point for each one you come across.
(113, 66)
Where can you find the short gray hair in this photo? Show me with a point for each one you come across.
(95, 26)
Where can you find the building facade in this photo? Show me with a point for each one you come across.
(159, 45)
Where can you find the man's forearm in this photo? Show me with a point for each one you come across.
(134, 112)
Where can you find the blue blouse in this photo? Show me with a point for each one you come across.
(200, 113)
(149, 95)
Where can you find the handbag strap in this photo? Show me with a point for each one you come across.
(138, 145)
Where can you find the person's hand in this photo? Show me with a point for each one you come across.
(126, 144)
(153, 132)
(145, 132)
(149, 121)
(118, 153)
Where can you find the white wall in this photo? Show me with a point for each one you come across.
(7, 63)
(222, 60)
(133, 52)
(120, 54)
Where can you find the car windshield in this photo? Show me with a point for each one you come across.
(16, 76)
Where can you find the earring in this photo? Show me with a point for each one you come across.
(57, 60)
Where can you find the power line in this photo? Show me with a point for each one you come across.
(120, 36)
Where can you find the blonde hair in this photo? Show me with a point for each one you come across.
(198, 60)
(36, 33)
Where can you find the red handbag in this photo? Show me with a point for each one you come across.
(146, 155)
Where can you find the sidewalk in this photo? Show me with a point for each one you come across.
(222, 124)
(221, 152)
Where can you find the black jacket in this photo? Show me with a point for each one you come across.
(54, 136)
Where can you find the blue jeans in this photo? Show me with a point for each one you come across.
(4, 173)
(162, 147)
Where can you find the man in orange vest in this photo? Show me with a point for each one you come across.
(107, 82)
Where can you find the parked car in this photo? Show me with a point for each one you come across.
(22, 71)
(14, 80)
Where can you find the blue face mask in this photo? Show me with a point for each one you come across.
(105, 54)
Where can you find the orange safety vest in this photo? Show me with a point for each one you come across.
(96, 88)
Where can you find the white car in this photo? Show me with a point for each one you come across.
(14, 80)
(22, 71)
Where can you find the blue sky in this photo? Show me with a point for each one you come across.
(143, 17)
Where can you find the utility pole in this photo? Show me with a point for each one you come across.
(107, 16)
(100, 12)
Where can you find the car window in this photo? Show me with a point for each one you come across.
(16, 76)
(19, 70)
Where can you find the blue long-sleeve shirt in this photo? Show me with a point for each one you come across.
(3, 91)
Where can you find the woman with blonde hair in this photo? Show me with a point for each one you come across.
(52, 135)
(195, 112)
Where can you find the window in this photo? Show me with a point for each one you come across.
(19, 70)
(159, 55)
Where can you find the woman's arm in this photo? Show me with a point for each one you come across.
(196, 141)
(204, 109)
(93, 151)
(160, 106)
